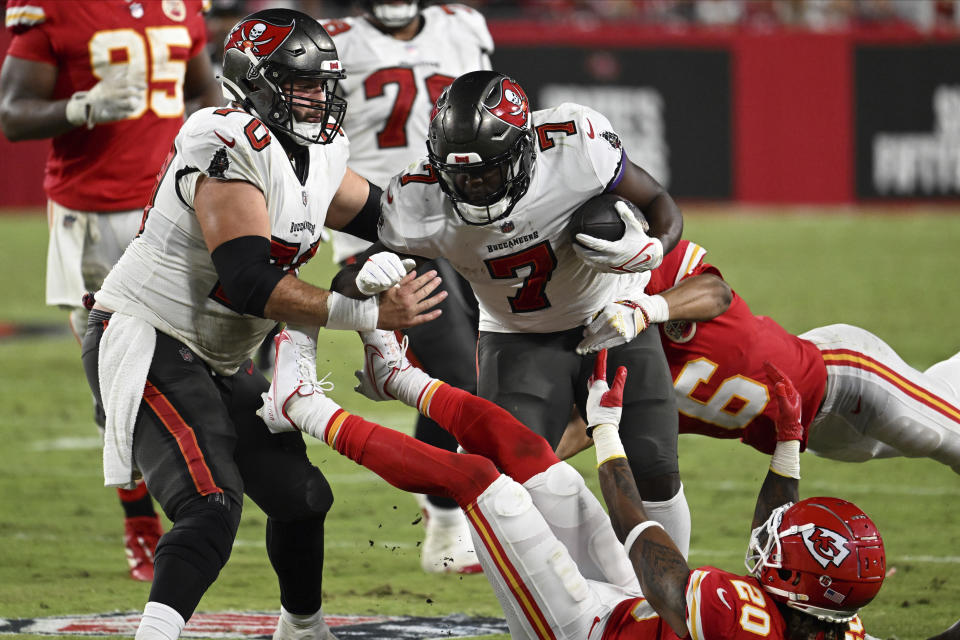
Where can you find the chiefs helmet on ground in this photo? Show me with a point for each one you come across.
(269, 51)
(480, 143)
(822, 556)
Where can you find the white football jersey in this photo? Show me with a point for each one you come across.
(392, 85)
(523, 268)
(166, 275)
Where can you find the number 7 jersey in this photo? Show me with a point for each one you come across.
(523, 269)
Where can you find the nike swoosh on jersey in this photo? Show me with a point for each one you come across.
(229, 142)
(590, 132)
(722, 594)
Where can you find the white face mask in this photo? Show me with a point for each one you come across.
(394, 16)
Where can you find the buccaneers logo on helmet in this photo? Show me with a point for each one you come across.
(513, 108)
(262, 38)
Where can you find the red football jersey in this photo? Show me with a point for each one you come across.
(720, 606)
(717, 366)
(112, 167)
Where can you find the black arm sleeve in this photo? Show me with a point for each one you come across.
(246, 275)
(364, 224)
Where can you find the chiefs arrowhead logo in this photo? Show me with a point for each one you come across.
(825, 546)
(513, 108)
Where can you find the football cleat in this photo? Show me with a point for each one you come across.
(386, 373)
(140, 537)
(447, 546)
(294, 375)
(314, 629)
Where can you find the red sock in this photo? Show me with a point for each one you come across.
(490, 431)
(136, 502)
(411, 465)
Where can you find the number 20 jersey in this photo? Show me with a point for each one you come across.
(720, 606)
(523, 269)
(717, 366)
(166, 276)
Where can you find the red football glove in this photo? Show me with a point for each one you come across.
(604, 404)
(788, 401)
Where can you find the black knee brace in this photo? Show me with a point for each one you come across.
(189, 556)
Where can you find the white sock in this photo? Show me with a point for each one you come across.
(674, 515)
(312, 413)
(443, 516)
(159, 622)
(301, 621)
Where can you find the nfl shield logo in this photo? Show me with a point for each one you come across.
(506, 227)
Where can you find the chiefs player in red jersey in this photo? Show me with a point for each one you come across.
(860, 399)
(553, 556)
(106, 80)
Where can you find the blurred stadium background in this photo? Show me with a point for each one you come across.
(814, 146)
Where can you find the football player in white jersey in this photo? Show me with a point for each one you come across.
(399, 59)
(495, 197)
(238, 209)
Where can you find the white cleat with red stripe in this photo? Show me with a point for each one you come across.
(387, 374)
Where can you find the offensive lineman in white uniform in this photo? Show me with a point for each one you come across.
(399, 59)
(495, 197)
(239, 207)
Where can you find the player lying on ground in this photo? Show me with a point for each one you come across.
(860, 400)
(545, 543)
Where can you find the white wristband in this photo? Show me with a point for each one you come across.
(348, 313)
(656, 308)
(606, 441)
(636, 531)
(786, 459)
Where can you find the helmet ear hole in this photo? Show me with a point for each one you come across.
(785, 575)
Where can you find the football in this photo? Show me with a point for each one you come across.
(598, 217)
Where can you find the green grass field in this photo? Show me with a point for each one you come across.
(894, 274)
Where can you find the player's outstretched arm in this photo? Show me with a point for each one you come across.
(659, 565)
(236, 228)
(782, 484)
(699, 298)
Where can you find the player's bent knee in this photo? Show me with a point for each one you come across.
(512, 501)
(563, 480)
(659, 488)
(203, 533)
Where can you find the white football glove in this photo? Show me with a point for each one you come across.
(634, 252)
(604, 403)
(382, 271)
(111, 99)
(622, 321)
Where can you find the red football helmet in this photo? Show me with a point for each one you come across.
(822, 556)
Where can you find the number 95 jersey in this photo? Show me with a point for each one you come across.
(113, 166)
